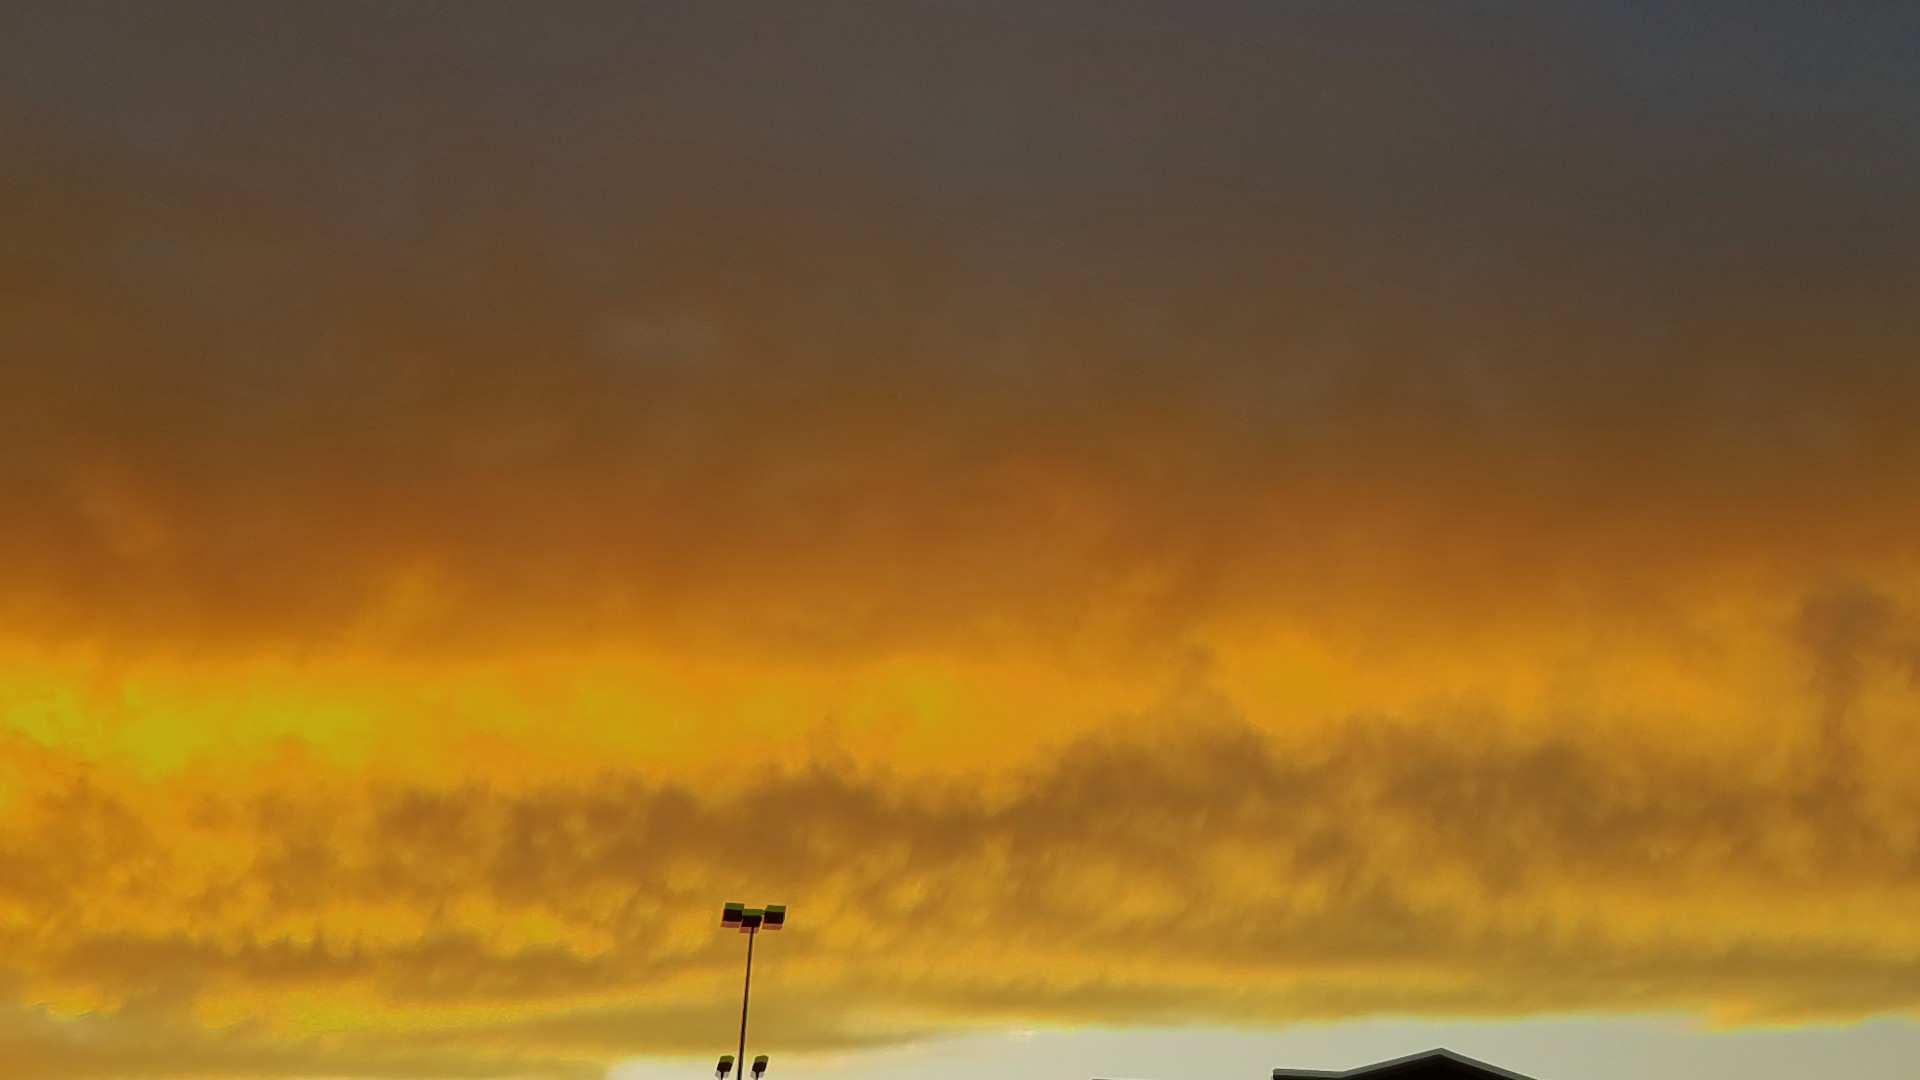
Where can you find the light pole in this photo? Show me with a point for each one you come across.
(749, 921)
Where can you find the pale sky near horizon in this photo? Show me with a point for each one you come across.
(1552, 1048)
(1176, 527)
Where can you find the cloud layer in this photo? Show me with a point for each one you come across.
(1279, 511)
(307, 921)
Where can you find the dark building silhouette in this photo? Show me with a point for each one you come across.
(1428, 1065)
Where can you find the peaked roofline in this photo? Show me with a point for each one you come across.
(1365, 1070)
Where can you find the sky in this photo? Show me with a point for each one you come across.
(1179, 538)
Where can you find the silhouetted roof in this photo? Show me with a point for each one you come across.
(1427, 1065)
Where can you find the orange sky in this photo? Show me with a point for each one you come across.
(465, 514)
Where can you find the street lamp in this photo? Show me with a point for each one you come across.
(726, 1066)
(749, 921)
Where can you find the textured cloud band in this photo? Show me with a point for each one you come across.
(1185, 866)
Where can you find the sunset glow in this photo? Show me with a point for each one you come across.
(1254, 516)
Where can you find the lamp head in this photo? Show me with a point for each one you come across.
(726, 1066)
(759, 1066)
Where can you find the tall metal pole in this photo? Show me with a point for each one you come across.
(745, 992)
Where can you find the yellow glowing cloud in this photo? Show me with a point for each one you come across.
(1200, 859)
